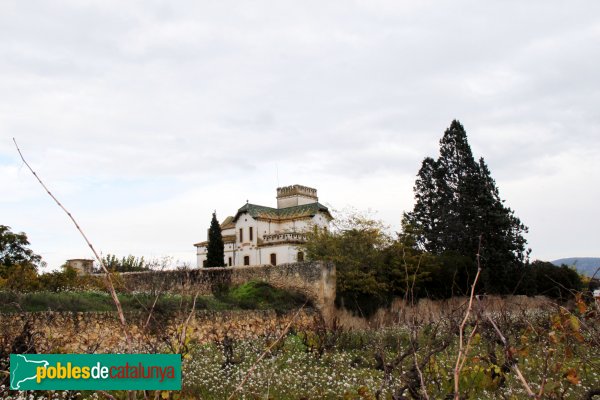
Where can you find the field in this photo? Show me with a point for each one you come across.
(380, 364)
(252, 295)
(555, 348)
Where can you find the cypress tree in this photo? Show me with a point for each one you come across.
(457, 201)
(216, 249)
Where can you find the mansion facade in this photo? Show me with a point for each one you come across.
(258, 235)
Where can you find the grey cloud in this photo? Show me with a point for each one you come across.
(204, 93)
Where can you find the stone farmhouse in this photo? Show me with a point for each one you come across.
(83, 266)
(264, 235)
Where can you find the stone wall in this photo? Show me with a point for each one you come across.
(101, 332)
(315, 280)
(60, 332)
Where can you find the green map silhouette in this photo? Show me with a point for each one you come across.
(23, 369)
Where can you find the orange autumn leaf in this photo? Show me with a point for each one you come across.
(572, 377)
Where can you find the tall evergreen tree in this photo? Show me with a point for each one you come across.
(215, 256)
(457, 202)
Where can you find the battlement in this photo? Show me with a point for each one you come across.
(295, 195)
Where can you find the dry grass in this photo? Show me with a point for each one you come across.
(427, 310)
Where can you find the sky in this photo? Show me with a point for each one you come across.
(143, 117)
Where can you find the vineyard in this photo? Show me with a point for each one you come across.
(550, 351)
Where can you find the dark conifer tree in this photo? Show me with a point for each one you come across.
(215, 254)
(457, 201)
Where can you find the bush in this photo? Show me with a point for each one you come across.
(261, 295)
(92, 301)
(59, 280)
(556, 282)
(251, 295)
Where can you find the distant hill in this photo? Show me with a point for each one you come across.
(585, 265)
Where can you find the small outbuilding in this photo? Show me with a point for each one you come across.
(83, 266)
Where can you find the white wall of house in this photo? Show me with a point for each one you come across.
(264, 227)
(226, 232)
(320, 220)
(284, 253)
(247, 244)
(229, 250)
(262, 255)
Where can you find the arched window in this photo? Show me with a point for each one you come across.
(273, 259)
(246, 260)
(300, 256)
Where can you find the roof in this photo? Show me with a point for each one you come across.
(278, 214)
(228, 223)
(226, 239)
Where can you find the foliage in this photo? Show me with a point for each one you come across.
(409, 271)
(25, 279)
(22, 277)
(125, 264)
(457, 203)
(59, 280)
(552, 281)
(355, 246)
(551, 347)
(19, 267)
(260, 295)
(16, 258)
(251, 295)
(371, 266)
(556, 349)
(14, 250)
(215, 252)
(85, 301)
(452, 276)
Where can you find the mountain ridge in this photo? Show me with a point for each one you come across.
(585, 265)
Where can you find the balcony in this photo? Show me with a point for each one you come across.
(285, 237)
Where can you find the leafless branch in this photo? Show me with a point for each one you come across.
(512, 362)
(187, 323)
(468, 345)
(462, 354)
(267, 351)
(107, 395)
(421, 379)
(111, 286)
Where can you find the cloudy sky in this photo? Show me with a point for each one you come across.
(145, 116)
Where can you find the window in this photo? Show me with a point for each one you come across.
(251, 234)
(273, 259)
(230, 261)
(246, 260)
(300, 256)
(204, 263)
(241, 235)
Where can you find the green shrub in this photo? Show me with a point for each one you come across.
(93, 301)
(251, 295)
(260, 295)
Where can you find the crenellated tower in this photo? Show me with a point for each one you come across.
(295, 195)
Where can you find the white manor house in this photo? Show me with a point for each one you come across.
(265, 235)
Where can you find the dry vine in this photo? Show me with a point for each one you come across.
(462, 349)
(267, 351)
(111, 287)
